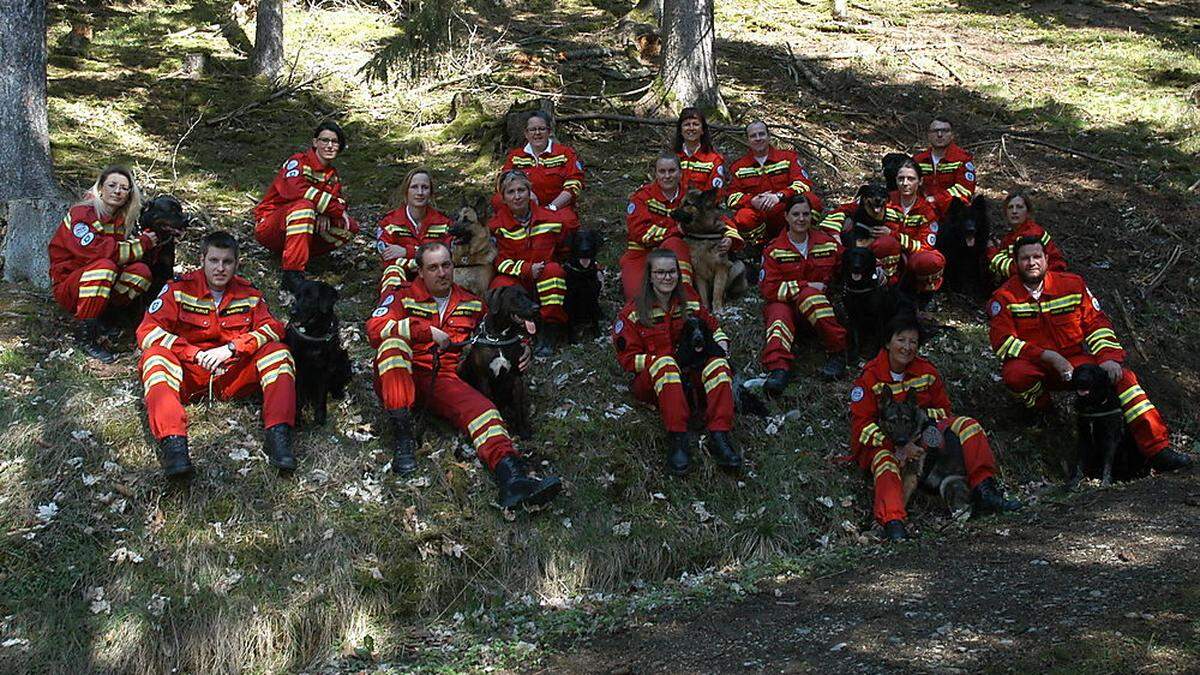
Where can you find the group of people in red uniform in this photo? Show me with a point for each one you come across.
(210, 331)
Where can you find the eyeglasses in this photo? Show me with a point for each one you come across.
(664, 273)
(326, 141)
(537, 130)
(940, 130)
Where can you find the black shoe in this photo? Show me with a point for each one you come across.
(777, 381)
(721, 449)
(1168, 460)
(90, 336)
(989, 498)
(549, 337)
(278, 442)
(894, 530)
(678, 453)
(517, 489)
(290, 281)
(834, 368)
(404, 460)
(173, 456)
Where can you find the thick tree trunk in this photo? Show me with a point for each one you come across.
(29, 196)
(649, 8)
(839, 9)
(689, 69)
(268, 40)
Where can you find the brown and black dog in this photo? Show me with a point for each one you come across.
(714, 273)
(492, 364)
(472, 249)
(941, 468)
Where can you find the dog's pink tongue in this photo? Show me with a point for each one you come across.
(856, 276)
(585, 262)
(530, 327)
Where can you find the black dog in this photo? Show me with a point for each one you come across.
(163, 216)
(869, 301)
(962, 238)
(322, 364)
(1105, 447)
(492, 365)
(582, 302)
(891, 166)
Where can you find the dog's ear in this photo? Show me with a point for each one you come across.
(710, 195)
(884, 396)
(333, 295)
(481, 207)
(492, 296)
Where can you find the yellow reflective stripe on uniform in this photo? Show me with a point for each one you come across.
(159, 360)
(491, 415)
(265, 380)
(97, 275)
(266, 362)
(1131, 393)
(1138, 410)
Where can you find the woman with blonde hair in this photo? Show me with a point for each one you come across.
(414, 222)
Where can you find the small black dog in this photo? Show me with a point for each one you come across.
(891, 166)
(322, 364)
(695, 347)
(1105, 447)
(962, 238)
(869, 301)
(582, 302)
(492, 365)
(163, 216)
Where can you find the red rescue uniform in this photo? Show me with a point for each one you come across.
(781, 173)
(287, 215)
(399, 330)
(1065, 318)
(951, 178)
(787, 271)
(703, 170)
(874, 452)
(649, 225)
(539, 239)
(649, 353)
(398, 228)
(93, 263)
(1000, 259)
(551, 172)
(185, 320)
(915, 229)
(887, 248)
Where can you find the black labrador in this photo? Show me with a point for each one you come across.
(322, 364)
(695, 347)
(582, 302)
(163, 216)
(1105, 448)
(492, 364)
(869, 301)
(962, 237)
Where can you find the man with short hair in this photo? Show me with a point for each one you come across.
(1044, 324)
(411, 331)
(948, 171)
(760, 184)
(210, 332)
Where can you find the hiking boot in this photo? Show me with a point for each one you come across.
(834, 368)
(517, 489)
(777, 381)
(91, 334)
(278, 442)
(1168, 460)
(989, 499)
(173, 456)
(678, 453)
(894, 530)
(548, 338)
(290, 281)
(721, 449)
(404, 460)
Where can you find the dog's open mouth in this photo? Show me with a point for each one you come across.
(585, 263)
(530, 326)
(857, 276)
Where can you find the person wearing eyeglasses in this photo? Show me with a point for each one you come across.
(647, 337)
(948, 170)
(553, 168)
(303, 213)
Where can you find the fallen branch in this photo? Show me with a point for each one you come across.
(858, 53)
(1162, 272)
(587, 53)
(1046, 144)
(1137, 342)
(575, 97)
(282, 92)
(796, 68)
(453, 80)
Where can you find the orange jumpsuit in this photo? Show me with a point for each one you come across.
(649, 225)
(183, 321)
(873, 451)
(916, 231)
(786, 273)
(556, 169)
(947, 180)
(520, 245)
(90, 259)
(287, 215)
(399, 330)
(781, 173)
(397, 228)
(703, 170)
(1000, 259)
(1065, 318)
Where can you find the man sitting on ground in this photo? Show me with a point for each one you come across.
(948, 170)
(761, 182)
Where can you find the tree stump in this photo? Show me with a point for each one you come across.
(29, 224)
(194, 65)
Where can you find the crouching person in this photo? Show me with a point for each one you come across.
(676, 351)
(884, 442)
(412, 332)
(210, 332)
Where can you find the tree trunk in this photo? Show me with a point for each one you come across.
(25, 152)
(689, 70)
(840, 11)
(649, 8)
(268, 40)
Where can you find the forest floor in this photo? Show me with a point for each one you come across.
(1094, 106)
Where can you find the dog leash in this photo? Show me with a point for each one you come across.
(1106, 413)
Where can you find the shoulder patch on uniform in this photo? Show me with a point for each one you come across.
(388, 300)
(87, 238)
(1095, 303)
(995, 308)
(762, 274)
(933, 227)
(970, 175)
(157, 304)
(971, 167)
(379, 311)
(293, 173)
(381, 245)
(718, 183)
(631, 208)
(291, 164)
(161, 291)
(931, 240)
(856, 394)
(619, 326)
(80, 229)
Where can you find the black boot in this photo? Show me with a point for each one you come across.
(548, 338)
(517, 489)
(894, 530)
(989, 498)
(278, 442)
(777, 381)
(173, 456)
(1168, 460)
(678, 453)
(834, 368)
(404, 460)
(290, 281)
(91, 332)
(721, 449)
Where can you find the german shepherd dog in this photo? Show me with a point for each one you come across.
(714, 274)
(1105, 448)
(582, 302)
(472, 249)
(313, 336)
(869, 301)
(163, 216)
(962, 238)
(941, 470)
(491, 365)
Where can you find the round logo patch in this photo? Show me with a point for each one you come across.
(618, 326)
(856, 394)
(156, 305)
(971, 167)
(933, 227)
(718, 183)
(995, 309)
(380, 245)
(931, 240)
(291, 164)
(379, 311)
(388, 300)
(293, 173)
(80, 229)
(87, 238)
(970, 175)
(631, 208)
(1095, 304)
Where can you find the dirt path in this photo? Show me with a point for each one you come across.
(1108, 583)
